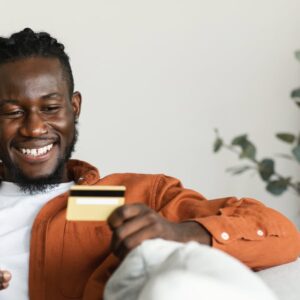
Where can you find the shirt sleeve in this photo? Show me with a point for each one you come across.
(245, 228)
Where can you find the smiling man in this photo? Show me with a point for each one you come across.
(43, 256)
(37, 111)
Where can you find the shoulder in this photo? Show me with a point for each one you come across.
(137, 180)
(146, 188)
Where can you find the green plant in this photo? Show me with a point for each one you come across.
(266, 167)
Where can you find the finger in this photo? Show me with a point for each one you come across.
(134, 240)
(137, 238)
(4, 285)
(125, 212)
(5, 276)
(131, 226)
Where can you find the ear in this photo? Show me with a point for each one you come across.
(76, 104)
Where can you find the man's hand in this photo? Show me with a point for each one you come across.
(133, 223)
(5, 277)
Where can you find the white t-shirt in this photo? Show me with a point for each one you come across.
(17, 213)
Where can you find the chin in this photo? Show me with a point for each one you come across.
(36, 174)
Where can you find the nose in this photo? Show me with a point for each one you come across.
(33, 125)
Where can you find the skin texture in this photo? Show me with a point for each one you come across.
(36, 110)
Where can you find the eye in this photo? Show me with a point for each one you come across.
(51, 109)
(12, 114)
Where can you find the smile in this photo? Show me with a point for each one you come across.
(35, 152)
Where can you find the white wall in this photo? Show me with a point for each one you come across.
(157, 77)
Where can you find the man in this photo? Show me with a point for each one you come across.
(63, 260)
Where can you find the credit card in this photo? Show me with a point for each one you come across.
(93, 203)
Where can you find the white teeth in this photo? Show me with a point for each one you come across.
(38, 151)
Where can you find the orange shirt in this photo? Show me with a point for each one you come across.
(72, 260)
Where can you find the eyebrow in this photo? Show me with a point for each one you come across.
(15, 101)
(8, 101)
(52, 95)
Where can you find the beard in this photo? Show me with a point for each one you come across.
(42, 184)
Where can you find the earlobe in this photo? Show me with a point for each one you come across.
(76, 104)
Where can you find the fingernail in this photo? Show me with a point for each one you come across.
(6, 275)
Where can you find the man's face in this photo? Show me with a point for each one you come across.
(37, 119)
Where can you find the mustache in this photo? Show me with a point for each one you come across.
(31, 139)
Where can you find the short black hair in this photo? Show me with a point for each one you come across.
(27, 43)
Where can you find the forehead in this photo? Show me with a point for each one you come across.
(32, 76)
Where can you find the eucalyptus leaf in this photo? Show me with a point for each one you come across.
(298, 187)
(248, 151)
(218, 144)
(240, 140)
(297, 54)
(266, 168)
(277, 187)
(296, 152)
(286, 137)
(296, 93)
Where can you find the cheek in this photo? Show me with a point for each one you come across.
(65, 126)
(7, 134)
(8, 131)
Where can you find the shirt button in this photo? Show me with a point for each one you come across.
(225, 236)
(260, 232)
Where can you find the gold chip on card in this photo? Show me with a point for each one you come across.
(94, 203)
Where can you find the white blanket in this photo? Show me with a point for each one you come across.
(164, 270)
(283, 280)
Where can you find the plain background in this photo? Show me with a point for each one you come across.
(158, 76)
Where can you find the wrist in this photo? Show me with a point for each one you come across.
(193, 231)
